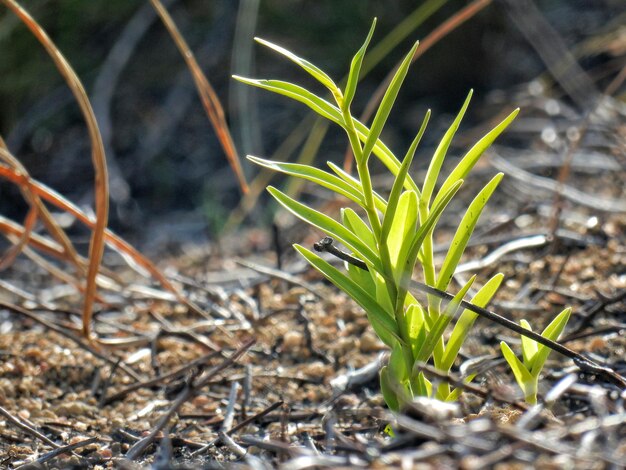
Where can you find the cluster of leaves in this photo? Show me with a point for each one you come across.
(391, 236)
(534, 355)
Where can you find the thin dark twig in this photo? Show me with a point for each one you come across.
(187, 393)
(308, 334)
(239, 426)
(229, 415)
(160, 378)
(278, 274)
(583, 363)
(591, 313)
(26, 428)
(257, 416)
(66, 449)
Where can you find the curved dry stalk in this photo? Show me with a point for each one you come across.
(127, 251)
(209, 98)
(58, 273)
(43, 244)
(35, 202)
(101, 189)
(15, 233)
(30, 220)
(8, 257)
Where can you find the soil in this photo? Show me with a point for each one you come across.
(305, 393)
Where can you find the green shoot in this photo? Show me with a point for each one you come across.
(534, 356)
(391, 237)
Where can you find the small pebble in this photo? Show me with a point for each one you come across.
(292, 340)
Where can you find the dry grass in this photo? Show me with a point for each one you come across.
(87, 275)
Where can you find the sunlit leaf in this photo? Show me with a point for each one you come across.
(355, 69)
(467, 319)
(529, 346)
(436, 333)
(474, 154)
(432, 175)
(399, 181)
(416, 331)
(313, 70)
(315, 175)
(523, 377)
(387, 103)
(352, 221)
(422, 232)
(361, 277)
(298, 93)
(383, 324)
(464, 232)
(401, 229)
(552, 332)
(328, 225)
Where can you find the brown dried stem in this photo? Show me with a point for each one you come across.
(210, 101)
(101, 185)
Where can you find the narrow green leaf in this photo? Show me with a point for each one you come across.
(328, 225)
(464, 232)
(380, 203)
(361, 277)
(523, 377)
(382, 292)
(556, 326)
(315, 175)
(387, 103)
(383, 324)
(422, 386)
(313, 70)
(440, 153)
(529, 347)
(387, 390)
(332, 113)
(467, 319)
(422, 232)
(398, 367)
(552, 331)
(352, 220)
(415, 329)
(298, 93)
(402, 227)
(474, 154)
(355, 69)
(385, 155)
(398, 184)
(436, 333)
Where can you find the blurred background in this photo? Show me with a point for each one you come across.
(170, 181)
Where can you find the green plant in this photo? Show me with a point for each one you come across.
(534, 355)
(395, 234)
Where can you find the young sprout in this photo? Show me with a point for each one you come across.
(534, 355)
(391, 236)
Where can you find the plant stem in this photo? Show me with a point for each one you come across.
(363, 172)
